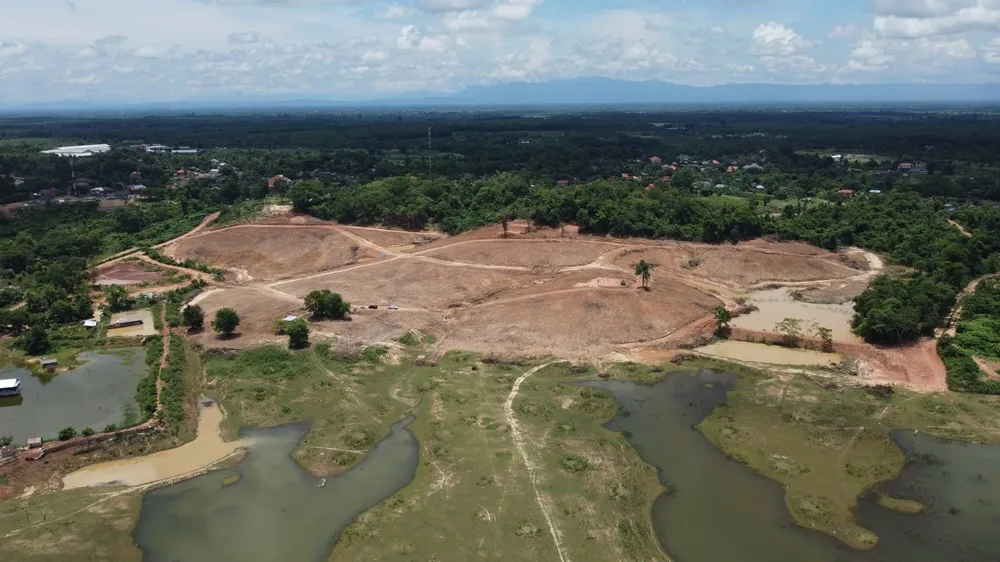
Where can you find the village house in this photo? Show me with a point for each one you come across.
(656, 161)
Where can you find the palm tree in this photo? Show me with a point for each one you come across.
(642, 268)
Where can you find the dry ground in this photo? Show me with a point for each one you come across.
(271, 252)
(538, 292)
(126, 273)
(746, 266)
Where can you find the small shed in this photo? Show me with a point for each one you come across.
(34, 442)
(289, 318)
(49, 363)
(90, 323)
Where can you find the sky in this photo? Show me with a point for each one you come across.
(165, 50)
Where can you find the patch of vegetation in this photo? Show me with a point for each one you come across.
(827, 443)
(145, 392)
(159, 256)
(326, 304)
(375, 353)
(101, 532)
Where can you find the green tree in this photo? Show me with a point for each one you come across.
(298, 334)
(117, 297)
(643, 269)
(825, 334)
(722, 318)
(325, 304)
(791, 331)
(226, 321)
(67, 434)
(193, 317)
(6, 440)
(87, 432)
(36, 341)
(505, 223)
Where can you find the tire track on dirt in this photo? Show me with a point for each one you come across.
(519, 442)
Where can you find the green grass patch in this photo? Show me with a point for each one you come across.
(83, 524)
(827, 443)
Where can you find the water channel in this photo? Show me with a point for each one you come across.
(267, 508)
(717, 509)
(93, 395)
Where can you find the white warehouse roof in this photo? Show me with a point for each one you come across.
(80, 150)
(9, 383)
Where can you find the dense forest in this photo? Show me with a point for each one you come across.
(718, 177)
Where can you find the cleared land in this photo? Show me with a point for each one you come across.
(411, 283)
(537, 292)
(742, 268)
(128, 273)
(523, 253)
(271, 252)
(392, 238)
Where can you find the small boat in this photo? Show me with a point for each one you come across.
(322, 483)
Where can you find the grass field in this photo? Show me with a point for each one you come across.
(84, 525)
(828, 442)
(472, 496)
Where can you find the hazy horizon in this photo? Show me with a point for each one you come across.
(365, 50)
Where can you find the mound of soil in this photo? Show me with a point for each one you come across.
(126, 273)
(271, 252)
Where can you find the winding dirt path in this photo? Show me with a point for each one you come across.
(960, 228)
(522, 448)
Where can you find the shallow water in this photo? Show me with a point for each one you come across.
(275, 511)
(774, 305)
(773, 354)
(207, 448)
(719, 510)
(960, 488)
(93, 395)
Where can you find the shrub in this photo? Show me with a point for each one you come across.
(298, 334)
(87, 432)
(226, 321)
(67, 434)
(325, 304)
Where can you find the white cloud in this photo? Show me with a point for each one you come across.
(410, 38)
(925, 18)
(356, 49)
(395, 12)
(12, 48)
(774, 39)
(991, 51)
(244, 38)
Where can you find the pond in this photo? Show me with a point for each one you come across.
(208, 448)
(267, 508)
(96, 394)
(775, 305)
(718, 509)
(773, 354)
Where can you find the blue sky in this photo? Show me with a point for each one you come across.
(367, 49)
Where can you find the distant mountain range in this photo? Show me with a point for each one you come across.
(574, 92)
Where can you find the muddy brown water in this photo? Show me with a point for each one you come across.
(773, 354)
(207, 448)
(774, 305)
(94, 395)
(275, 511)
(717, 509)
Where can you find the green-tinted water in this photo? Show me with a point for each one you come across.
(93, 395)
(719, 510)
(275, 511)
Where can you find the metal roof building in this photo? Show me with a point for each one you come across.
(79, 151)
